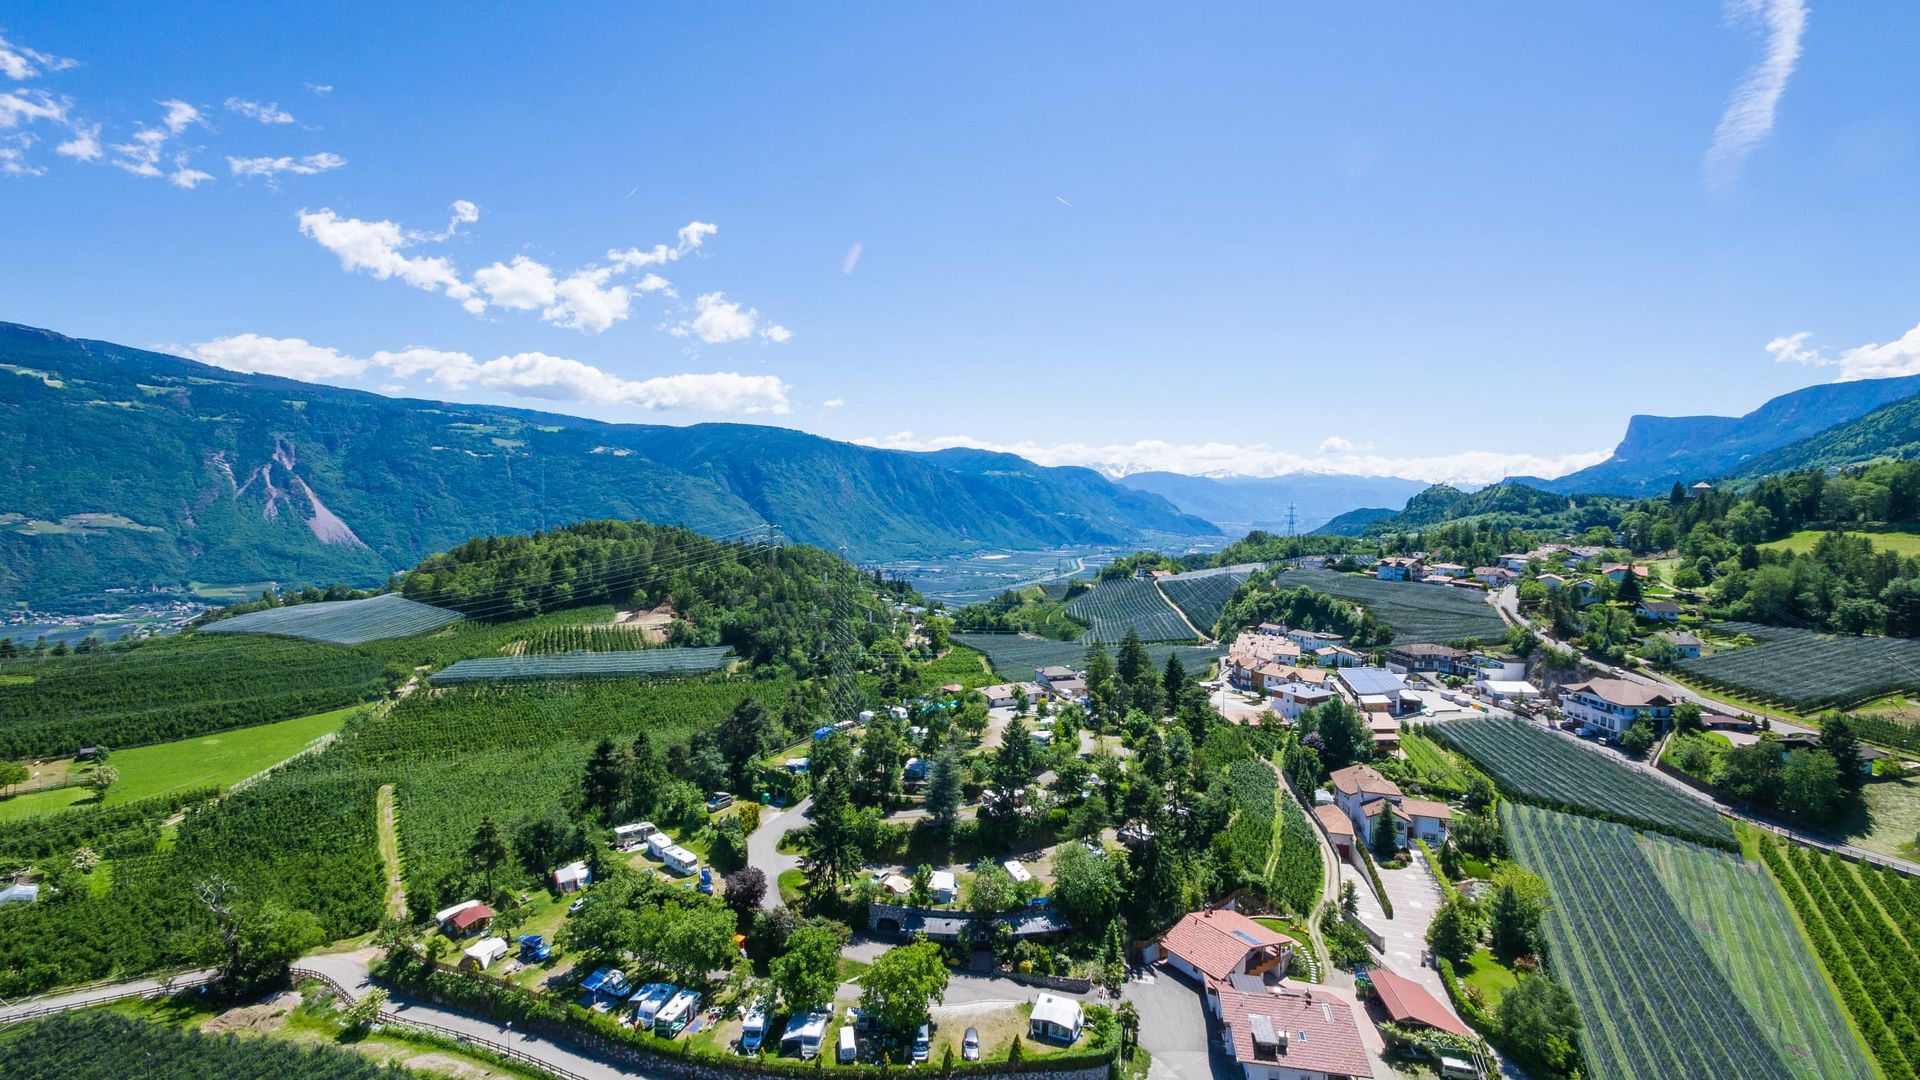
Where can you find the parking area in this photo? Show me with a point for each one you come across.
(1175, 1029)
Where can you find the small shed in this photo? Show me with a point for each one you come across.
(572, 877)
(1056, 1018)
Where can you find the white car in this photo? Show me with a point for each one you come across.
(970, 1045)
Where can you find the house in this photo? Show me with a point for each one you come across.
(1358, 682)
(1658, 610)
(1209, 946)
(1336, 656)
(1054, 673)
(1406, 659)
(1585, 553)
(1398, 568)
(943, 886)
(1552, 581)
(1073, 689)
(1314, 639)
(1699, 488)
(1807, 740)
(1498, 666)
(1411, 1005)
(1339, 828)
(1496, 576)
(1713, 721)
(1611, 706)
(1617, 572)
(1272, 629)
(572, 877)
(1384, 730)
(1056, 1019)
(1289, 1033)
(464, 918)
(1447, 570)
(1290, 699)
(480, 955)
(1007, 695)
(1362, 794)
(1516, 562)
(1687, 645)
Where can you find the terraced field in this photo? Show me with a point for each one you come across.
(1018, 656)
(1535, 765)
(1418, 613)
(1679, 958)
(1203, 594)
(341, 622)
(1122, 604)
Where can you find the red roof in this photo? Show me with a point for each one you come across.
(1356, 779)
(466, 917)
(1319, 1031)
(1217, 941)
(1336, 821)
(1410, 1003)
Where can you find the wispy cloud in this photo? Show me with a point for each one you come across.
(1259, 459)
(266, 112)
(852, 259)
(1749, 115)
(533, 375)
(270, 167)
(19, 63)
(1874, 360)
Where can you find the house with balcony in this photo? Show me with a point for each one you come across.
(1610, 707)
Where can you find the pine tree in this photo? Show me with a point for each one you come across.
(1837, 738)
(600, 787)
(488, 850)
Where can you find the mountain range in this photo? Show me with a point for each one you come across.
(1659, 450)
(1249, 502)
(124, 468)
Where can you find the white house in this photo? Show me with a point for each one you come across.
(1057, 1019)
(1314, 639)
(1397, 568)
(1362, 794)
(1516, 562)
(1292, 1033)
(1658, 610)
(1686, 644)
(481, 954)
(1211, 946)
(1290, 699)
(1448, 569)
(1611, 706)
(1336, 656)
(1498, 666)
(572, 877)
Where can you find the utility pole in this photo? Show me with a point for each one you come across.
(1290, 519)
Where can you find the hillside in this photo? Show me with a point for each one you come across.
(1262, 502)
(123, 468)
(1658, 450)
(1891, 431)
(1354, 522)
(1505, 503)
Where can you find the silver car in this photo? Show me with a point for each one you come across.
(970, 1045)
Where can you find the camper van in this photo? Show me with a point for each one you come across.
(634, 836)
(673, 1017)
(753, 1029)
(645, 1005)
(849, 1047)
(804, 1033)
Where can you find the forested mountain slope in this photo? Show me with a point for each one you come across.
(1891, 431)
(122, 467)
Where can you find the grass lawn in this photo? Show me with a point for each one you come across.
(1904, 543)
(1431, 762)
(1304, 968)
(1487, 975)
(1891, 818)
(791, 882)
(223, 758)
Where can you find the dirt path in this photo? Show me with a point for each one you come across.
(1162, 594)
(390, 854)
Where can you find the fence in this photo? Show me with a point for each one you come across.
(80, 997)
(389, 1018)
(316, 746)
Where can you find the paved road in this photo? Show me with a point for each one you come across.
(101, 994)
(350, 971)
(763, 847)
(1174, 1028)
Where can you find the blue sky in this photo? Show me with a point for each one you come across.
(1447, 244)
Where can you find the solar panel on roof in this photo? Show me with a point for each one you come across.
(1246, 937)
(1263, 1033)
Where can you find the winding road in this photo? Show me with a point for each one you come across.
(763, 847)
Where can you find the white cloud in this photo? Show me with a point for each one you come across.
(31, 105)
(1336, 444)
(718, 320)
(13, 156)
(270, 167)
(85, 144)
(689, 239)
(18, 62)
(777, 334)
(833, 403)
(320, 89)
(852, 258)
(523, 284)
(141, 155)
(375, 246)
(528, 375)
(1874, 360)
(1749, 115)
(291, 357)
(268, 112)
(1259, 459)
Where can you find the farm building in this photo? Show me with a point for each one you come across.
(464, 918)
(1056, 1019)
(1508, 691)
(1209, 946)
(481, 954)
(572, 877)
(1412, 1005)
(1289, 1034)
(1611, 706)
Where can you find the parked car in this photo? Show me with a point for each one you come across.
(923, 1044)
(849, 1048)
(574, 908)
(970, 1045)
(720, 801)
